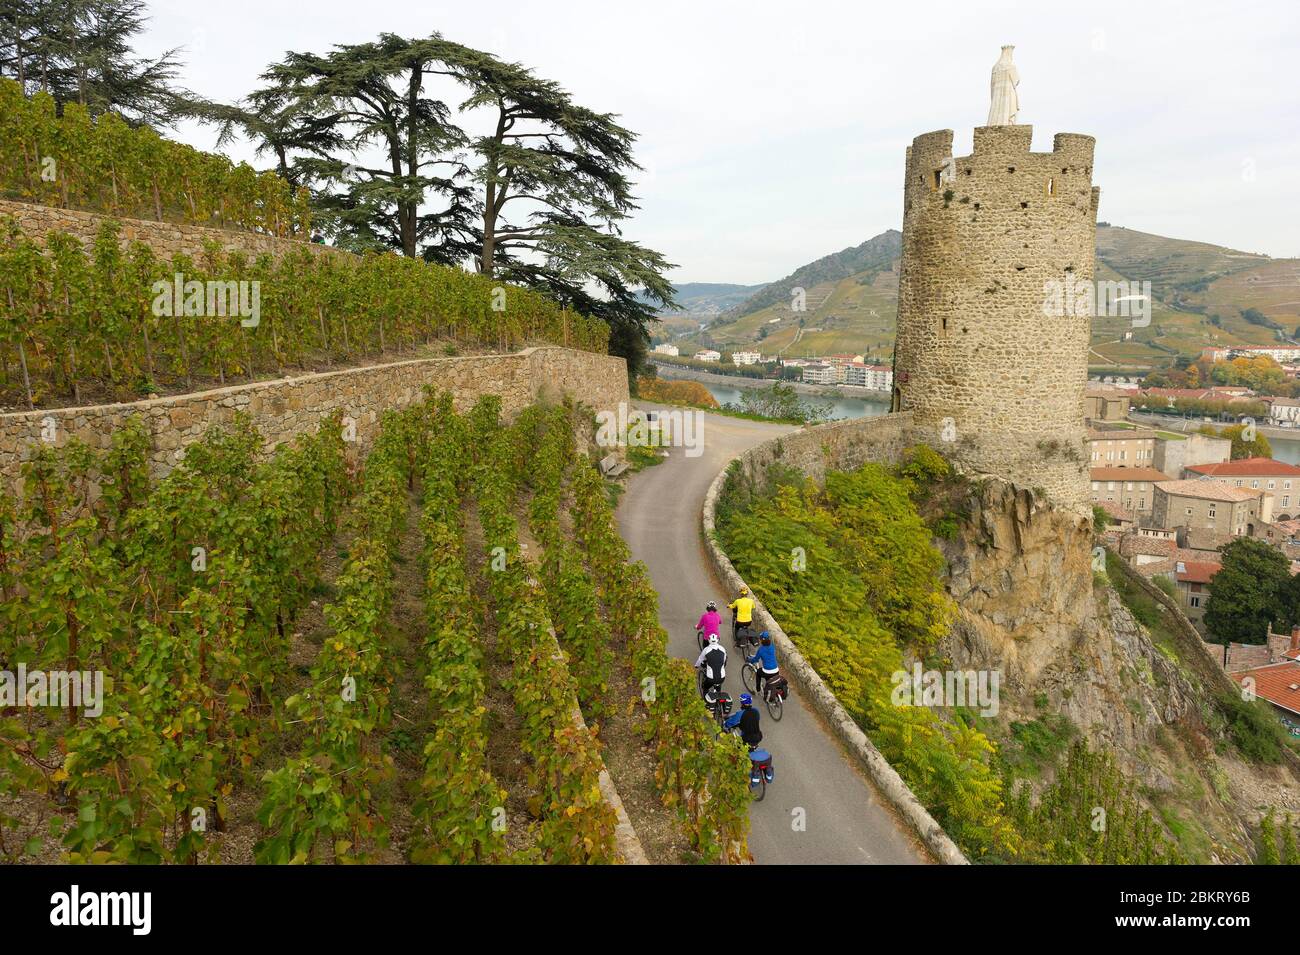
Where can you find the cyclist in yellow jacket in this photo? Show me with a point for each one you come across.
(742, 611)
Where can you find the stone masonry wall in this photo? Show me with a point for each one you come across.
(287, 407)
(838, 445)
(165, 238)
(978, 362)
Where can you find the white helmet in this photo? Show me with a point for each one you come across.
(713, 639)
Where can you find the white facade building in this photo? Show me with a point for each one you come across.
(821, 374)
(746, 358)
(666, 349)
(875, 377)
(1284, 412)
(708, 354)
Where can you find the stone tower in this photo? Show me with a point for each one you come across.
(991, 378)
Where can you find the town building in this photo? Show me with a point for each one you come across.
(1132, 488)
(1210, 505)
(1106, 404)
(875, 377)
(1175, 453)
(666, 349)
(1279, 353)
(1121, 447)
(1192, 577)
(708, 354)
(821, 374)
(746, 358)
(1257, 474)
(1269, 671)
(1283, 412)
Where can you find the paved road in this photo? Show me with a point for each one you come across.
(847, 822)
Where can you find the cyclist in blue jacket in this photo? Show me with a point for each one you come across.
(747, 719)
(764, 659)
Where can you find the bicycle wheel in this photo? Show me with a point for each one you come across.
(748, 674)
(758, 790)
(774, 707)
(699, 639)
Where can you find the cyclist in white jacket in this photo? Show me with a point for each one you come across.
(713, 658)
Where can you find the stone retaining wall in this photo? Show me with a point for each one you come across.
(165, 238)
(838, 446)
(284, 408)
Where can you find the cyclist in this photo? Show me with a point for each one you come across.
(710, 621)
(713, 660)
(747, 719)
(764, 660)
(742, 611)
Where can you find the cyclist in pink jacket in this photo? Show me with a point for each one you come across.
(710, 621)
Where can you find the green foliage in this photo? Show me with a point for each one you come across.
(326, 796)
(1100, 519)
(780, 402)
(577, 824)
(1267, 852)
(104, 165)
(1090, 814)
(460, 803)
(704, 776)
(86, 316)
(923, 466)
(870, 588)
(180, 594)
(1253, 728)
(1245, 594)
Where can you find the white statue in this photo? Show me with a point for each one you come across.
(1002, 87)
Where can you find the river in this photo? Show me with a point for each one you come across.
(1285, 448)
(840, 408)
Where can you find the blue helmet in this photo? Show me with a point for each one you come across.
(746, 700)
(764, 637)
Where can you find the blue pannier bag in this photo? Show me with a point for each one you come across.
(760, 760)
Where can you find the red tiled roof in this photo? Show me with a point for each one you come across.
(1278, 683)
(1246, 467)
(1197, 571)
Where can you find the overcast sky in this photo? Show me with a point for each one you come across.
(773, 133)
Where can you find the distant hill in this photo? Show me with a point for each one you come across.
(876, 253)
(1203, 294)
(711, 298)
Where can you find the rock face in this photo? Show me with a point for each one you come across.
(1022, 577)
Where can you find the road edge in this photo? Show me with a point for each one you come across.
(807, 680)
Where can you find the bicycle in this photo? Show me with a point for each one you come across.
(760, 773)
(744, 637)
(718, 702)
(775, 690)
(700, 685)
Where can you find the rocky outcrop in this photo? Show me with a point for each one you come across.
(1022, 575)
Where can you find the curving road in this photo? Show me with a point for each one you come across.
(845, 819)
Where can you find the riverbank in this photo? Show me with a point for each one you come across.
(682, 373)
